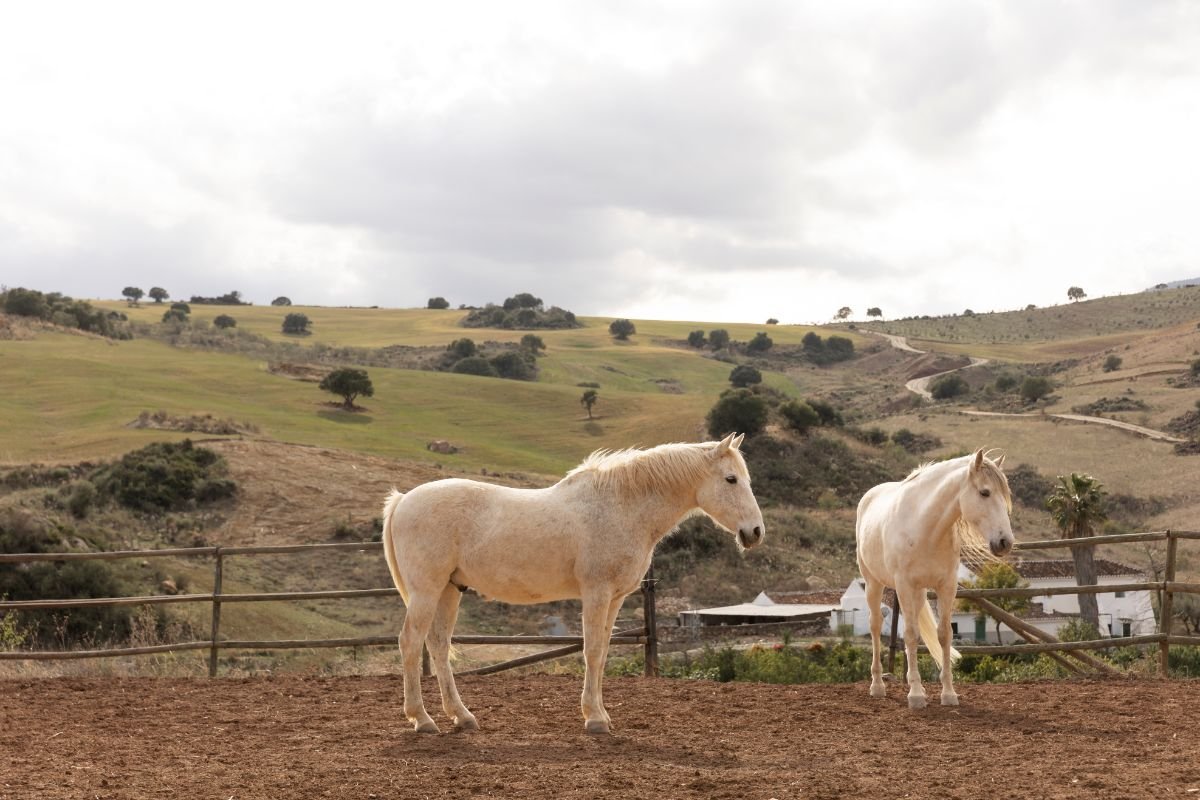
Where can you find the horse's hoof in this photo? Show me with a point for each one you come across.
(467, 723)
(427, 726)
(597, 726)
(949, 699)
(878, 690)
(916, 701)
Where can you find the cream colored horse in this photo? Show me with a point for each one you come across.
(911, 535)
(589, 536)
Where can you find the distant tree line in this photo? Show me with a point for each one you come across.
(522, 311)
(464, 357)
(59, 309)
(227, 299)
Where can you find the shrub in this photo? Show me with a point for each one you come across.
(296, 323)
(830, 416)
(622, 328)
(1006, 382)
(184, 307)
(475, 365)
(161, 476)
(744, 375)
(224, 321)
(1112, 363)
(738, 411)
(532, 343)
(948, 386)
(718, 339)
(175, 315)
(1078, 630)
(1035, 387)
(281, 301)
(800, 415)
(761, 343)
(514, 366)
(461, 348)
(80, 497)
(915, 443)
(772, 321)
(26, 303)
(438, 303)
(696, 339)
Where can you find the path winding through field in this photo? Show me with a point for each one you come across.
(920, 386)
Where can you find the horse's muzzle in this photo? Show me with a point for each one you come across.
(1001, 546)
(751, 537)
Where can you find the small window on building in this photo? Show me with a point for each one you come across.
(1119, 594)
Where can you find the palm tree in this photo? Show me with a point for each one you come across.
(1077, 505)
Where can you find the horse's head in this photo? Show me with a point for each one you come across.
(724, 493)
(985, 503)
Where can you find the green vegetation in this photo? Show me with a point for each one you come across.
(158, 294)
(949, 386)
(588, 399)
(998, 575)
(295, 324)
(800, 416)
(744, 375)
(227, 299)
(520, 312)
(349, 384)
(738, 411)
(622, 329)
(61, 310)
(1077, 506)
(1112, 363)
(437, 303)
(224, 321)
(1035, 387)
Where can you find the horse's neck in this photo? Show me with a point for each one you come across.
(940, 501)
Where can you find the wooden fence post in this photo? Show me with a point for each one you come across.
(650, 615)
(216, 613)
(1166, 609)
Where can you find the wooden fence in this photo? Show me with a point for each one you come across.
(645, 636)
(1074, 655)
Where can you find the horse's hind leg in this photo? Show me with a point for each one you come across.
(945, 596)
(439, 648)
(912, 600)
(874, 605)
(417, 619)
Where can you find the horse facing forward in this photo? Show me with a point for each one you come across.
(911, 535)
(589, 536)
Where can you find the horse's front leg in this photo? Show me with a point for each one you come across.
(945, 596)
(599, 614)
(874, 601)
(912, 602)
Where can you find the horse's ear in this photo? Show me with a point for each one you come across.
(722, 446)
(736, 444)
(1000, 461)
(978, 462)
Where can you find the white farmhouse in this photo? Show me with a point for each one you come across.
(1121, 613)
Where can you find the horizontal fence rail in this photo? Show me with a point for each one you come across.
(646, 636)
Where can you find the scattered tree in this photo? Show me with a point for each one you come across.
(839, 348)
(772, 321)
(696, 339)
(461, 348)
(133, 293)
(474, 365)
(874, 311)
(738, 411)
(761, 343)
(159, 294)
(622, 328)
(800, 416)
(830, 416)
(1077, 506)
(718, 339)
(182, 308)
(26, 303)
(998, 575)
(522, 300)
(1006, 382)
(225, 321)
(744, 375)
(588, 399)
(281, 301)
(1075, 293)
(296, 323)
(350, 383)
(1035, 387)
(948, 386)
(1112, 363)
(513, 365)
(438, 302)
(175, 315)
(532, 343)
(844, 312)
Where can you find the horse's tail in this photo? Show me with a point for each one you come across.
(389, 549)
(929, 634)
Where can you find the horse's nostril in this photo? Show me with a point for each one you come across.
(757, 531)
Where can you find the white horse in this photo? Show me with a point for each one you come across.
(911, 535)
(589, 536)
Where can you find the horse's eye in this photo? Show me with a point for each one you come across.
(731, 479)
(985, 492)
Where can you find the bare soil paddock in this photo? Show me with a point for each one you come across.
(295, 737)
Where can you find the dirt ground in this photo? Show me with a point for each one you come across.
(295, 737)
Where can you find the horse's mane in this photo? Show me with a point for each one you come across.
(972, 544)
(658, 469)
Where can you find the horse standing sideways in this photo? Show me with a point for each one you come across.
(589, 536)
(911, 535)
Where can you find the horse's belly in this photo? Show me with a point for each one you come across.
(518, 588)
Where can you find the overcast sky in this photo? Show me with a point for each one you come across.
(718, 161)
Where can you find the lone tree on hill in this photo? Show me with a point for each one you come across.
(281, 301)
(225, 321)
(588, 399)
(296, 323)
(438, 302)
(844, 312)
(998, 575)
(718, 339)
(1076, 293)
(772, 321)
(622, 328)
(744, 375)
(874, 311)
(133, 293)
(159, 294)
(1077, 506)
(349, 383)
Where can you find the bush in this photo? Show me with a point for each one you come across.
(1006, 382)
(800, 415)
(696, 339)
(622, 328)
(915, 443)
(1077, 630)
(949, 386)
(1035, 387)
(224, 321)
(744, 375)
(513, 366)
(1112, 363)
(461, 348)
(81, 495)
(161, 477)
(761, 343)
(296, 323)
(281, 301)
(475, 365)
(738, 411)
(26, 303)
(175, 315)
(772, 321)
(718, 339)
(830, 416)
(438, 303)
(532, 343)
